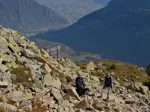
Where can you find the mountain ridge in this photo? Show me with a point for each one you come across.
(73, 10)
(118, 31)
(29, 16)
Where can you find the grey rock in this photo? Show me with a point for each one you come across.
(38, 83)
(47, 68)
(3, 84)
(50, 81)
(57, 95)
(7, 107)
(28, 53)
(25, 103)
(90, 66)
(130, 101)
(84, 104)
(16, 96)
(3, 68)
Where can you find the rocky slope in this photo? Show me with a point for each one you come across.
(32, 81)
(28, 16)
(119, 31)
(73, 10)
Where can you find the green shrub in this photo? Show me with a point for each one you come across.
(111, 67)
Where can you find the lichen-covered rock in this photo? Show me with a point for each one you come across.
(27, 96)
(16, 96)
(84, 104)
(90, 66)
(57, 95)
(4, 84)
(47, 68)
(3, 68)
(7, 107)
(26, 103)
(28, 53)
(139, 87)
(71, 91)
(50, 81)
(144, 89)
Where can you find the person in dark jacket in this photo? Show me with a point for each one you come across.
(107, 84)
(80, 86)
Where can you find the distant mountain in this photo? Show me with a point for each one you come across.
(74, 9)
(28, 16)
(119, 31)
(65, 51)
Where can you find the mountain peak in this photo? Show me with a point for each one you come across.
(119, 31)
(28, 15)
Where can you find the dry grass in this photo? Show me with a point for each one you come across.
(37, 106)
(1, 99)
(2, 110)
(123, 71)
(10, 101)
(22, 74)
(82, 65)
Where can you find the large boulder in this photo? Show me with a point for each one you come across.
(144, 90)
(28, 53)
(3, 68)
(98, 105)
(13, 48)
(27, 96)
(12, 41)
(26, 105)
(7, 58)
(84, 104)
(4, 107)
(44, 53)
(38, 83)
(16, 96)
(138, 87)
(57, 95)
(3, 84)
(3, 45)
(47, 68)
(90, 66)
(33, 47)
(50, 81)
(71, 91)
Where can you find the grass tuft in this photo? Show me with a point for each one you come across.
(22, 75)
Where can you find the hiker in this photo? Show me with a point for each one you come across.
(107, 84)
(80, 86)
